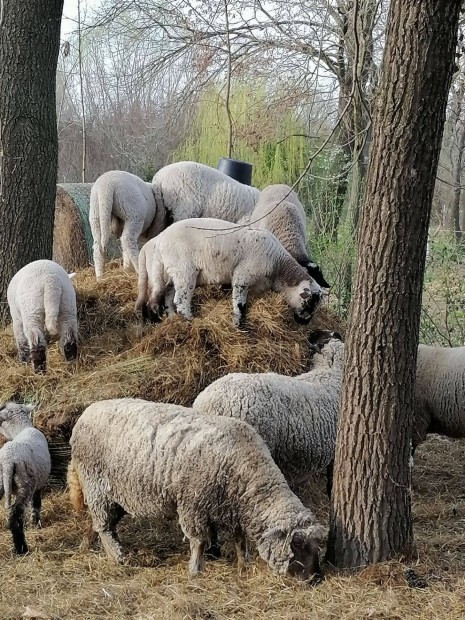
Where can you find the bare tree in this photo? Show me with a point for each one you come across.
(371, 501)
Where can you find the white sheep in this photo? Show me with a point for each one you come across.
(295, 416)
(188, 189)
(280, 211)
(24, 468)
(42, 302)
(439, 392)
(123, 204)
(196, 252)
(166, 461)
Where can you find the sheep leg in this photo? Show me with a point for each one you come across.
(105, 525)
(36, 506)
(99, 260)
(184, 286)
(16, 526)
(24, 352)
(239, 301)
(68, 341)
(169, 301)
(196, 561)
(131, 232)
(241, 550)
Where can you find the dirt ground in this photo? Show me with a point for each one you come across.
(61, 578)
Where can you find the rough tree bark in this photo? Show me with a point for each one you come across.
(29, 45)
(370, 517)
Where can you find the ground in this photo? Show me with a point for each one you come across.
(61, 578)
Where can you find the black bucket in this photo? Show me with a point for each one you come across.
(239, 170)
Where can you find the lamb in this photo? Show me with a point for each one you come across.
(123, 204)
(439, 393)
(280, 211)
(42, 303)
(295, 416)
(167, 461)
(24, 468)
(196, 252)
(188, 189)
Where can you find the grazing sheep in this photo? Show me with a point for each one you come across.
(295, 416)
(123, 204)
(187, 189)
(280, 211)
(439, 392)
(42, 301)
(196, 252)
(167, 461)
(24, 468)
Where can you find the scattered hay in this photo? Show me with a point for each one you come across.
(169, 362)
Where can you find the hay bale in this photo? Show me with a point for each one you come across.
(169, 362)
(72, 237)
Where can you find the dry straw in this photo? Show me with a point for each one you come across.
(169, 362)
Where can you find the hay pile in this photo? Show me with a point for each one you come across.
(169, 362)
(72, 237)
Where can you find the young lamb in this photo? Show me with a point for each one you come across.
(123, 204)
(280, 211)
(295, 416)
(439, 392)
(188, 189)
(42, 302)
(24, 468)
(167, 461)
(196, 252)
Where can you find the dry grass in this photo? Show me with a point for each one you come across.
(170, 362)
(62, 579)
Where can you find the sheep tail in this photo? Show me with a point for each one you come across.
(75, 490)
(8, 470)
(101, 207)
(142, 281)
(52, 299)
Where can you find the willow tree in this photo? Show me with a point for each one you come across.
(370, 517)
(29, 45)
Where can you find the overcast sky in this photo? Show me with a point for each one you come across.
(68, 23)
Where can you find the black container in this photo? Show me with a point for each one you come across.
(239, 170)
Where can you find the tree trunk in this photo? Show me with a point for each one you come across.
(29, 45)
(457, 180)
(370, 518)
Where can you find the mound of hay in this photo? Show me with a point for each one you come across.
(169, 362)
(72, 237)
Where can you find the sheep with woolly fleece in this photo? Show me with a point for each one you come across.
(295, 416)
(123, 204)
(130, 456)
(42, 303)
(439, 393)
(188, 189)
(24, 468)
(280, 211)
(202, 251)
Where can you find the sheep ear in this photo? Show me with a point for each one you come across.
(30, 408)
(71, 275)
(275, 533)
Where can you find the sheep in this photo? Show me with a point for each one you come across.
(24, 468)
(42, 302)
(123, 204)
(280, 211)
(130, 456)
(188, 189)
(196, 252)
(439, 393)
(295, 416)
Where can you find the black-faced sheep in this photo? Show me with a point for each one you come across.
(167, 461)
(123, 204)
(196, 252)
(24, 468)
(42, 302)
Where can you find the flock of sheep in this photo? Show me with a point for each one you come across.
(228, 463)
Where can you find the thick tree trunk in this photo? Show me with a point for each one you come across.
(371, 512)
(29, 45)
